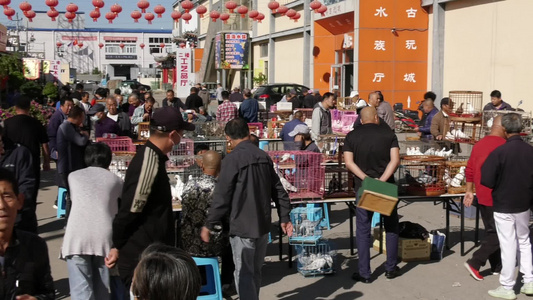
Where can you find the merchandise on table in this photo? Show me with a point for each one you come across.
(527, 123)
(338, 183)
(143, 131)
(180, 155)
(331, 146)
(454, 175)
(467, 105)
(421, 175)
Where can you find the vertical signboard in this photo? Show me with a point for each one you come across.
(232, 50)
(183, 69)
(393, 40)
(218, 51)
(32, 68)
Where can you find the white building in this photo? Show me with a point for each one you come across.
(116, 52)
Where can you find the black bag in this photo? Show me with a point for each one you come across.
(411, 230)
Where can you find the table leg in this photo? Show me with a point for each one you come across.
(461, 234)
(448, 223)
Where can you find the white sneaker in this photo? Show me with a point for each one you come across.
(527, 288)
(503, 293)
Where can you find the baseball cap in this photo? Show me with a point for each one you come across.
(354, 93)
(167, 119)
(96, 109)
(299, 129)
(292, 92)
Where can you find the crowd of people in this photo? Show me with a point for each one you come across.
(120, 239)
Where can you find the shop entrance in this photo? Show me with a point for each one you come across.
(342, 79)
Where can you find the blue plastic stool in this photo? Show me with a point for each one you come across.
(376, 219)
(61, 202)
(213, 288)
(263, 145)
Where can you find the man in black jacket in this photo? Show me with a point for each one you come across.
(145, 210)
(25, 264)
(193, 100)
(246, 184)
(508, 172)
(18, 160)
(176, 102)
(120, 117)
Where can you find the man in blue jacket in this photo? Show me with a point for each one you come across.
(429, 108)
(249, 107)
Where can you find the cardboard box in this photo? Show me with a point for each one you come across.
(378, 196)
(408, 249)
(284, 106)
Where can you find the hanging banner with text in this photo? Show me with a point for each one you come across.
(232, 50)
(183, 68)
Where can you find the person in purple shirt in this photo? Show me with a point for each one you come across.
(429, 108)
(102, 124)
(134, 102)
(56, 120)
(496, 102)
(288, 140)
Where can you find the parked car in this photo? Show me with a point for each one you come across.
(136, 84)
(272, 93)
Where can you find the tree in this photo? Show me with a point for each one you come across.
(31, 89)
(50, 90)
(96, 71)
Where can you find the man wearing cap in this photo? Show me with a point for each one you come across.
(288, 140)
(302, 139)
(102, 124)
(145, 210)
(249, 107)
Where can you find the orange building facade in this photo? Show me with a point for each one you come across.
(384, 47)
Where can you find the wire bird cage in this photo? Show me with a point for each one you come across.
(307, 112)
(342, 120)
(467, 104)
(454, 175)
(120, 163)
(256, 129)
(338, 183)
(346, 103)
(143, 131)
(463, 131)
(207, 130)
(330, 146)
(301, 173)
(219, 146)
(121, 144)
(419, 147)
(306, 221)
(181, 156)
(422, 175)
(274, 129)
(490, 115)
(313, 260)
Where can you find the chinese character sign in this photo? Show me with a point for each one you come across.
(32, 68)
(234, 50)
(183, 71)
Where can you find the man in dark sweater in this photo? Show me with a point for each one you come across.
(56, 120)
(194, 101)
(245, 187)
(508, 172)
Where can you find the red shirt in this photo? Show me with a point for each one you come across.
(480, 152)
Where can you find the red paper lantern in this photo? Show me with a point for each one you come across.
(110, 16)
(187, 5)
(136, 15)
(201, 10)
(253, 14)
(273, 5)
(70, 16)
(80, 44)
(72, 8)
(5, 3)
(52, 13)
(162, 45)
(260, 17)
(159, 10)
(116, 9)
(52, 3)
(143, 5)
(187, 17)
(9, 12)
(231, 5)
(322, 9)
(291, 13)
(149, 17)
(315, 4)
(176, 15)
(98, 4)
(214, 15)
(30, 14)
(59, 44)
(121, 45)
(296, 17)
(224, 17)
(243, 10)
(95, 14)
(101, 45)
(282, 10)
(142, 45)
(25, 6)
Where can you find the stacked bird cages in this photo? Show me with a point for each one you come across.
(313, 260)
(307, 112)
(346, 103)
(207, 130)
(301, 173)
(419, 147)
(118, 145)
(490, 115)
(274, 129)
(342, 120)
(465, 121)
(422, 175)
(462, 131)
(181, 156)
(330, 146)
(120, 163)
(143, 131)
(256, 129)
(306, 224)
(454, 175)
(338, 183)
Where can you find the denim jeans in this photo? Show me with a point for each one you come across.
(88, 277)
(248, 256)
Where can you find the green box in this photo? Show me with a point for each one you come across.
(378, 196)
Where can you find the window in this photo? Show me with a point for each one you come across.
(263, 50)
(114, 47)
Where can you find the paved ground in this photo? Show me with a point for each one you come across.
(446, 279)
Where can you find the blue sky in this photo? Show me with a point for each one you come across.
(123, 21)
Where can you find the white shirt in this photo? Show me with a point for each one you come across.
(113, 117)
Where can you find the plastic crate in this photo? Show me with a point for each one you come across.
(301, 173)
(119, 144)
(256, 128)
(313, 260)
(143, 131)
(348, 119)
